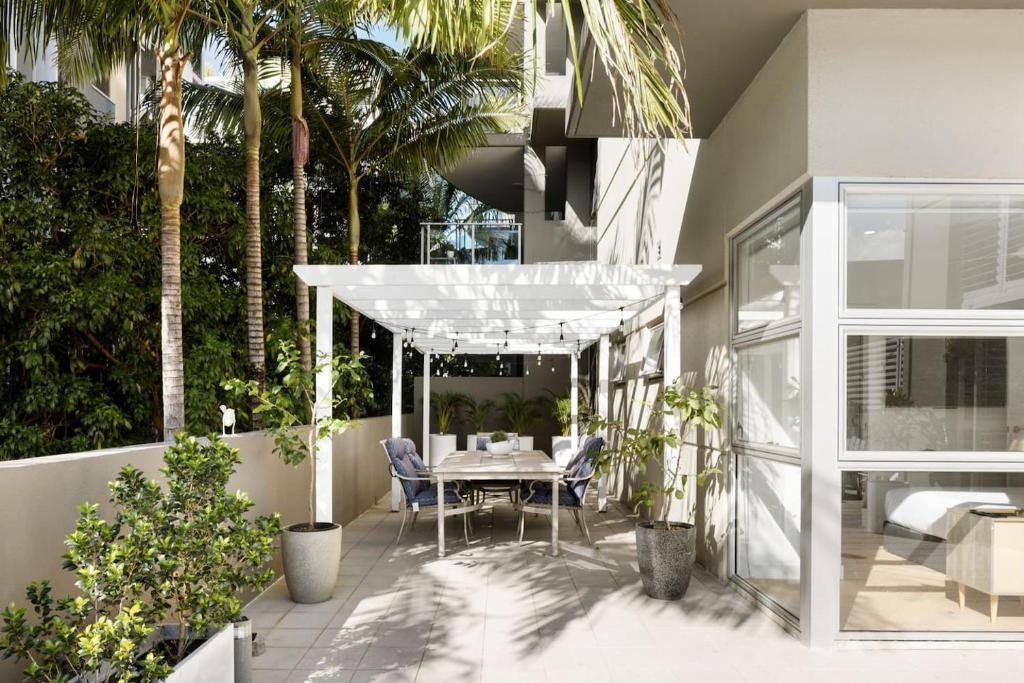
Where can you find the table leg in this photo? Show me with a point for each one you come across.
(962, 593)
(993, 607)
(440, 516)
(554, 514)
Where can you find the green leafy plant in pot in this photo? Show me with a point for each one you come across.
(445, 406)
(479, 413)
(666, 549)
(311, 550)
(153, 583)
(520, 414)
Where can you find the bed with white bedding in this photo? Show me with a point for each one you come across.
(923, 509)
(915, 518)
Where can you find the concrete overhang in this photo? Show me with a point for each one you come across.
(726, 43)
(493, 174)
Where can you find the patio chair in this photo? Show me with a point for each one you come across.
(572, 490)
(503, 487)
(418, 489)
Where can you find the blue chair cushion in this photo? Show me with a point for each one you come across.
(481, 442)
(428, 496)
(542, 495)
(398, 453)
(584, 467)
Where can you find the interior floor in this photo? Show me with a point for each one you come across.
(883, 591)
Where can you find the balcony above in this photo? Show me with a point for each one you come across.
(487, 243)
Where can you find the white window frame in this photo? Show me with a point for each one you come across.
(902, 188)
(652, 343)
(824, 548)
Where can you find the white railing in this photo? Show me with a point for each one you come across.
(492, 242)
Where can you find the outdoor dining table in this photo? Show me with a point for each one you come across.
(515, 466)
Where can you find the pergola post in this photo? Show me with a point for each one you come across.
(603, 371)
(672, 362)
(426, 407)
(324, 402)
(574, 401)
(396, 408)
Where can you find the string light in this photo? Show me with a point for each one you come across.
(506, 339)
(497, 355)
(561, 336)
(577, 348)
(456, 340)
(373, 330)
(465, 362)
(412, 337)
(405, 339)
(538, 354)
(622, 319)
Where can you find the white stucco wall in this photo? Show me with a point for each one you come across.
(916, 94)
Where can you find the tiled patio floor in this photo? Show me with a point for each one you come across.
(500, 612)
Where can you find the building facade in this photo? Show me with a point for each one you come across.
(854, 195)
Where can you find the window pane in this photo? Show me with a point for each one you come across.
(768, 393)
(910, 540)
(768, 270)
(935, 393)
(935, 249)
(768, 528)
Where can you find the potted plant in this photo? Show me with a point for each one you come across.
(479, 413)
(520, 413)
(311, 550)
(561, 410)
(666, 549)
(445, 407)
(159, 585)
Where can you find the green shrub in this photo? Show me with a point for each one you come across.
(179, 553)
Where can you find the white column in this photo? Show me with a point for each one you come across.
(672, 370)
(574, 400)
(603, 363)
(820, 368)
(324, 402)
(396, 408)
(426, 408)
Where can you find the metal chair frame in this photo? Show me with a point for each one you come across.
(578, 512)
(444, 509)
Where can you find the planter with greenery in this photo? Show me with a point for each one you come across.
(499, 444)
(666, 549)
(561, 410)
(479, 412)
(158, 586)
(311, 550)
(445, 406)
(520, 414)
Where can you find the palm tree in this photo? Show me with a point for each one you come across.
(637, 41)
(406, 113)
(373, 109)
(246, 27)
(94, 37)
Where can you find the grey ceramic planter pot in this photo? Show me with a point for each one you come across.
(666, 558)
(311, 560)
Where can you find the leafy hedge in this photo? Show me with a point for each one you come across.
(80, 278)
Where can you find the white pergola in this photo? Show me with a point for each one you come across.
(546, 308)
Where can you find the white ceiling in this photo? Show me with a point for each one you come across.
(552, 308)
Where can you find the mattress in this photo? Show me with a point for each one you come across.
(923, 509)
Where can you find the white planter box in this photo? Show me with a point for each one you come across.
(441, 445)
(525, 443)
(212, 662)
(561, 449)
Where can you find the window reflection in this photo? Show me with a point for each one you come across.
(935, 393)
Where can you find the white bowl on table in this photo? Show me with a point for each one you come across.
(499, 447)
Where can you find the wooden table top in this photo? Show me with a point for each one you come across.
(483, 465)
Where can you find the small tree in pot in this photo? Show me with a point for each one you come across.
(666, 550)
(311, 550)
(520, 413)
(479, 412)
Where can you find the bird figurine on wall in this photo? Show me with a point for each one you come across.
(227, 419)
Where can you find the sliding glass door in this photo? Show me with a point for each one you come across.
(766, 408)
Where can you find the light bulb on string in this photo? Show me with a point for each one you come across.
(538, 354)
(373, 331)
(561, 336)
(405, 339)
(622, 319)
(506, 339)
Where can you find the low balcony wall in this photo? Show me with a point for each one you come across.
(39, 497)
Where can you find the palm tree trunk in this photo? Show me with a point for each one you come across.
(300, 151)
(253, 240)
(171, 182)
(353, 250)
